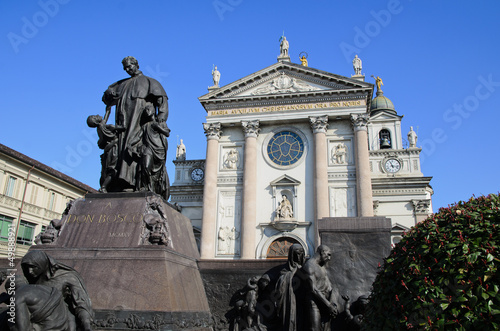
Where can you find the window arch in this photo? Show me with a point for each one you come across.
(385, 140)
(279, 248)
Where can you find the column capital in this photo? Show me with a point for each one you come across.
(251, 128)
(319, 123)
(212, 130)
(421, 206)
(360, 122)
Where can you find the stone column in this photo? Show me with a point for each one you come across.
(362, 157)
(321, 201)
(249, 203)
(209, 218)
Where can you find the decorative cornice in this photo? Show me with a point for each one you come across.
(194, 163)
(360, 122)
(226, 180)
(319, 124)
(251, 128)
(399, 191)
(212, 130)
(394, 152)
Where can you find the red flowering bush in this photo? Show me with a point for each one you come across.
(443, 274)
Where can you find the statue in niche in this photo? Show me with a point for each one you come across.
(41, 269)
(285, 210)
(286, 288)
(412, 138)
(180, 154)
(318, 291)
(216, 76)
(357, 65)
(248, 318)
(156, 226)
(340, 154)
(37, 307)
(231, 159)
(141, 108)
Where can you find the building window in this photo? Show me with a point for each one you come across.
(11, 184)
(34, 194)
(52, 201)
(25, 233)
(285, 148)
(5, 224)
(385, 139)
(279, 248)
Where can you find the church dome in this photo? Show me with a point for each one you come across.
(380, 102)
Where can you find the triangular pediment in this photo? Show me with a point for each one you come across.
(399, 228)
(286, 79)
(385, 115)
(285, 180)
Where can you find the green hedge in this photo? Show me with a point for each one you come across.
(443, 274)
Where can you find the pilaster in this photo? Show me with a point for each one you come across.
(209, 218)
(319, 126)
(363, 176)
(249, 202)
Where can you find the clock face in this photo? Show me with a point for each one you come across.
(197, 174)
(392, 165)
(285, 148)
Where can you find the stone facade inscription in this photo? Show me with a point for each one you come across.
(321, 105)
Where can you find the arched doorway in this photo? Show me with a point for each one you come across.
(279, 248)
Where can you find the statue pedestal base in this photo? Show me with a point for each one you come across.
(134, 284)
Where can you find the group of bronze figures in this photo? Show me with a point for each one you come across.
(295, 296)
(50, 296)
(135, 148)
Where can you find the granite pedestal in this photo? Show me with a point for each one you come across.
(134, 279)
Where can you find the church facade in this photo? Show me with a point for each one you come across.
(289, 145)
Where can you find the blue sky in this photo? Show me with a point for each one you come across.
(438, 60)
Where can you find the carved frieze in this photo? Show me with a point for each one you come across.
(284, 84)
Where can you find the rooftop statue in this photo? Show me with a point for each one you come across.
(357, 65)
(412, 138)
(180, 154)
(135, 147)
(303, 61)
(284, 46)
(216, 76)
(379, 83)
